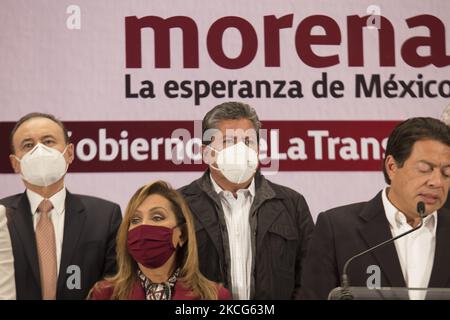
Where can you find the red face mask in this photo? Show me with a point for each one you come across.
(151, 246)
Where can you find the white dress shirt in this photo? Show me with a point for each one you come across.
(415, 250)
(7, 281)
(57, 215)
(237, 219)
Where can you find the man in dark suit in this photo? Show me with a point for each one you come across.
(416, 168)
(447, 204)
(252, 234)
(445, 117)
(62, 242)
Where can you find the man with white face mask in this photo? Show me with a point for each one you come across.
(62, 242)
(252, 234)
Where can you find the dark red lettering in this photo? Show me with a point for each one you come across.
(272, 26)
(436, 42)
(304, 40)
(249, 42)
(386, 41)
(161, 28)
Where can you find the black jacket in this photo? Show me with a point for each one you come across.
(447, 204)
(281, 226)
(343, 232)
(90, 227)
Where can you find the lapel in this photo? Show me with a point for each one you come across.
(374, 230)
(209, 221)
(75, 216)
(23, 223)
(264, 219)
(440, 273)
(260, 220)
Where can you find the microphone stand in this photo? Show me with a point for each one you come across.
(345, 293)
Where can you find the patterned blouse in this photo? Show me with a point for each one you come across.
(158, 291)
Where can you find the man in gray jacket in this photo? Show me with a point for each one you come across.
(252, 234)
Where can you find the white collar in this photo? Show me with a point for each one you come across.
(219, 190)
(57, 200)
(397, 218)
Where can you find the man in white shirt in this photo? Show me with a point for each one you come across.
(445, 117)
(7, 284)
(416, 169)
(252, 234)
(62, 243)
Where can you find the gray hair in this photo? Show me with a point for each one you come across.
(229, 111)
(33, 115)
(445, 117)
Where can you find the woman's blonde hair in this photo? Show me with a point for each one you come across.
(186, 255)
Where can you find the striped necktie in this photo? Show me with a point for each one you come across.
(46, 245)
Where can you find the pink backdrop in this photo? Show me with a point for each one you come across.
(79, 75)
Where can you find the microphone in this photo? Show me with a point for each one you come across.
(345, 293)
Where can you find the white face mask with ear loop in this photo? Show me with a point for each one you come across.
(237, 163)
(43, 166)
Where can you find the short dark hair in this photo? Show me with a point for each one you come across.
(229, 111)
(33, 115)
(407, 133)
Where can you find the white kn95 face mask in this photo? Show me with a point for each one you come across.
(42, 166)
(237, 162)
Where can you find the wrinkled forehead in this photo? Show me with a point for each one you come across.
(431, 151)
(236, 128)
(35, 128)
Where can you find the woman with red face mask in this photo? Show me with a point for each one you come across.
(157, 252)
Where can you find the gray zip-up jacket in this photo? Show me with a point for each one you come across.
(281, 226)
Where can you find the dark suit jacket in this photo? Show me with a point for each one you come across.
(281, 226)
(447, 204)
(105, 290)
(89, 241)
(343, 232)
